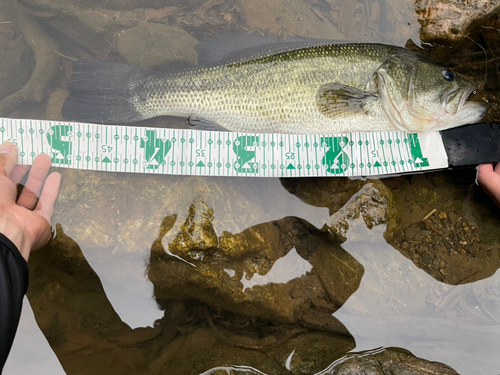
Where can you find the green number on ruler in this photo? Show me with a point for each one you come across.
(155, 150)
(244, 156)
(59, 141)
(335, 158)
(416, 151)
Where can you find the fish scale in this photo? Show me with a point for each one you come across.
(281, 105)
(327, 88)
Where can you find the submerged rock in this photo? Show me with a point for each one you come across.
(450, 223)
(388, 361)
(154, 44)
(14, 69)
(368, 203)
(286, 17)
(347, 200)
(284, 271)
(393, 361)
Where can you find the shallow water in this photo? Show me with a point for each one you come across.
(277, 293)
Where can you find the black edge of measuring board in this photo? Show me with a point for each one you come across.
(471, 145)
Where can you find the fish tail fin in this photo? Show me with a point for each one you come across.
(101, 92)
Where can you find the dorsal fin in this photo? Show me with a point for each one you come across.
(231, 47)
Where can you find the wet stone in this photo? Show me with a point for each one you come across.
(418, 237)
(420, 250)
(372, 204)
(427, 258)
(453, 217)
(389, 361)
(410, 232)
(436, 264)
(405, 245)
(442, 250)
(425, 232)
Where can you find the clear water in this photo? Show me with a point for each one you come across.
(93, 307)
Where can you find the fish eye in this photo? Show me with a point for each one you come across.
(448, 75)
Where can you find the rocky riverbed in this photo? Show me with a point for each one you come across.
(248, 272)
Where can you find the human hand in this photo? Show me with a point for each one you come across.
(26, 222)
(489, 178)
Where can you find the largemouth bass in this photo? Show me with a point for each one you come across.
(330, 88)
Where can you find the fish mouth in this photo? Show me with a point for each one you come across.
(467, 112)
(467, 92)
(450, 96)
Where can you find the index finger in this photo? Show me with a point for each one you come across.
(8, 157)
(45, 205)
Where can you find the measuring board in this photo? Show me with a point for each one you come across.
(211, 153)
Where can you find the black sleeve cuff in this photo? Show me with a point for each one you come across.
(14, 277)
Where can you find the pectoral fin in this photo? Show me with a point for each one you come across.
(335, 99)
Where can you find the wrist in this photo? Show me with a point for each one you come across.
(14, 231)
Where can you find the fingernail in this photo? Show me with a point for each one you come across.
(6, 147)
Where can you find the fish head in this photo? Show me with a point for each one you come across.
(418, 95)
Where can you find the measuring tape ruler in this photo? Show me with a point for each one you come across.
(136, 149)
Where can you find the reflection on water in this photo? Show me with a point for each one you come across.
(291, 266)
(31, 353)
(134, 212)
(398, 304)
(273, 291)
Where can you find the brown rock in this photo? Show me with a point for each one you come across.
(390, 361)
(418, 237)
(452, 19)
(411, 232)
(453, 217)
(436, 264)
